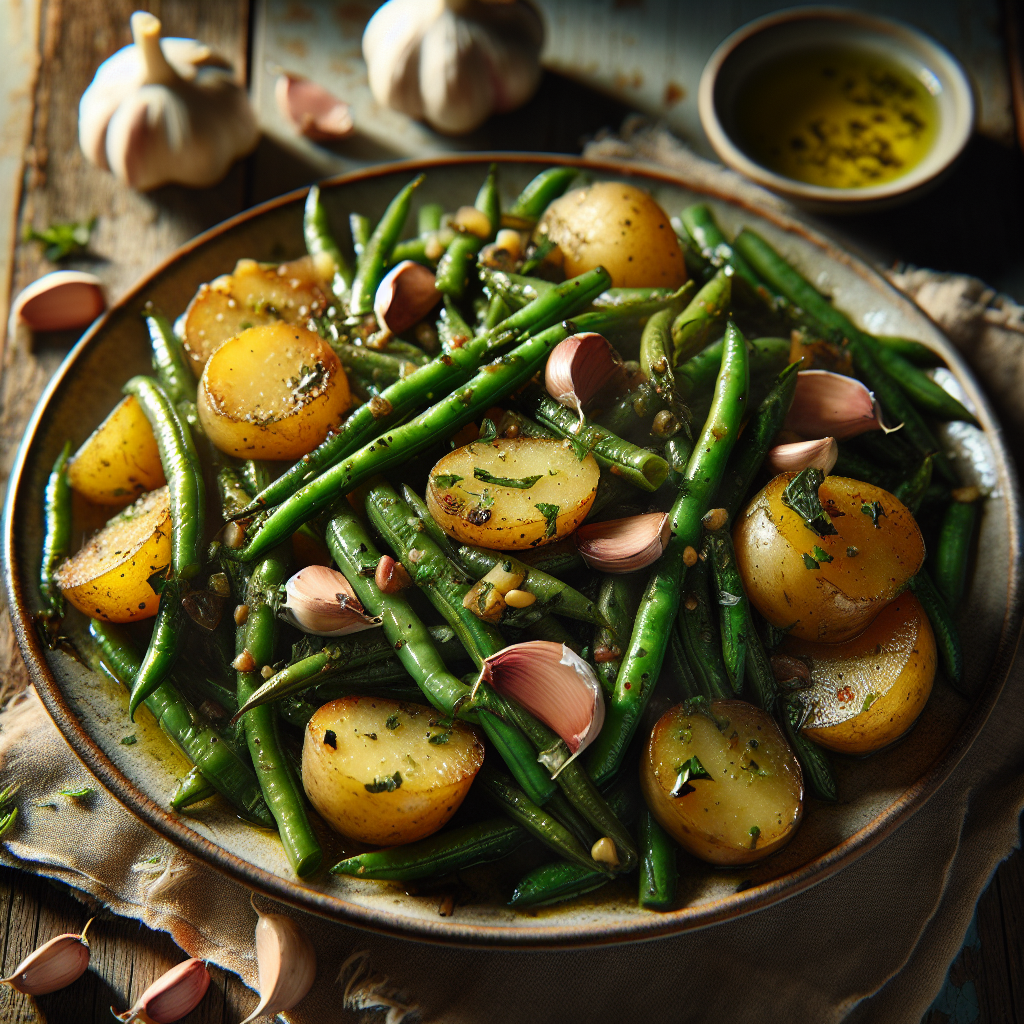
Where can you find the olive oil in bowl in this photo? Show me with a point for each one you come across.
(835, 117)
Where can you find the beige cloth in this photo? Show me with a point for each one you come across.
(871, 943)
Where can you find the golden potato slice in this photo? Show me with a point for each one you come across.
(512, 493)
(273, 392)
(119, 460)
(753, 801)
(618, 227)
(826, 588)
(869, 691)
(386, 772)
(252, 295)
(108, 578)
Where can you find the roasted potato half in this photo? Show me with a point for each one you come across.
(868, 691)
(272, 392)
(120, 459)
(385, 772)
(618, 227)
(512, 493)
(829, 587)
(251, 296)
(109, 578)
(722, 781)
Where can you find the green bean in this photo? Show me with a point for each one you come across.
(558, 559)
(814, 761)
(547, 627)
(439, 377)
(646, 652)
(56, 534)
(732, 612)
(767, 355)
(637, 299)
(373, 260)
(454, 266)
(914, 351)
(539, 193)
(953, 552)
(658, 873)
(434, 532)
(857, 467)
(947, 636)
(633, 414)
(200, 743)
(281, 789)
(170, 363)
(656, 357)
(700, 225)
(678, 450)
(192, 789)
(699, 635)
(316, 229)
(642, 468)
(928, 396)
(406, 351)
(165, 646)
(618, 601)
(428, 218)
(912, 490)
(453, 850)
(707, 310)
(360, 229)
(381, 368)
(414, 249)
(516, 289)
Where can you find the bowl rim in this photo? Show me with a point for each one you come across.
(955, 78)
(173, 827)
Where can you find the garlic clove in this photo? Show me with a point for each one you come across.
(172, 996)
(582, 368)
(60, 301)
(554, 684)
(624, 545)
(322, 602)
(312, 109)
(833, 405)
(405, 296)
(287, 964)
(791, 458)
(54, 965)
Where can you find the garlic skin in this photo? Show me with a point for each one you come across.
(287, 964)
(60, 301)
(554, 684)
(312, 109)
(452, 63)
(828, 404)
(163, 111)
(580, 369)
(54, 965)
(792, 458)
(624, 545)
(172, 996)
(405, 296)
(322, 602)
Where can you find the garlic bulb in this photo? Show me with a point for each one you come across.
(162, 111)
(453, 63)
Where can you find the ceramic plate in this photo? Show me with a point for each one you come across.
(877, 793)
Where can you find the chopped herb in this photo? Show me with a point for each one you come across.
(387, 784)
(62, 240)
(446, 480)
(755, 833)
(754, 768)
(540, 253)
(310, 380)
(852, 551)
(392, 721)
(869, 700)
(821, 554)
(440, 737)
(810, 563)
(875, 510)
(8, 820)
(488, 431)
(550, 514)
(801, 495)
(688, 770)
(370, 735)
(78, 794)
(523, 483)
(129, 741)
(331, 739)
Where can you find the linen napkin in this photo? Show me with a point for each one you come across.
(871, 943)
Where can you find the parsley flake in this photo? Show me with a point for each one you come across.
(446, 480)
(688, 770)
(385, 784)
(875, 510)
(801, 495)
(520, 483)
(550, 514)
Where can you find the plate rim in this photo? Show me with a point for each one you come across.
(173, 828)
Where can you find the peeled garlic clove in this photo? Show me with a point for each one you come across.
(833, 405)
(312, 109)
(60, 301)
(405, 296)
(172, 996)
(54, 965)
(322, 602)
(554, 684)
(581, 368)
(287, 964)
(791, 458)
(624, 545)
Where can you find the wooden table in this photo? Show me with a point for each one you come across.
(54, 46)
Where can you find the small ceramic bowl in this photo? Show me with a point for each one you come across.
(799, 31)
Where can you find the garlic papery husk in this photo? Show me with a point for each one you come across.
(287, 964)
(405, 296)
(60, 301)
(624, 545)
(322, 602)
(581, 368)
(54, 965)
(554, 684)
(791, 458)
(832, 404)
(162, 111)
(172, 996)
(312, 109)
(453, 63)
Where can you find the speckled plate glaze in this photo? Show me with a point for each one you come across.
(877, 794)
